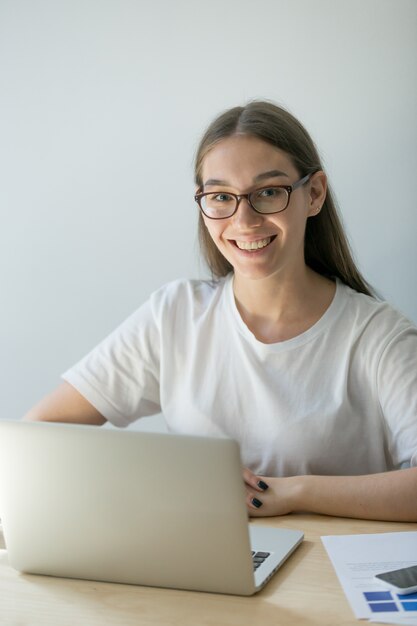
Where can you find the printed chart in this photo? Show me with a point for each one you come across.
(358, 558)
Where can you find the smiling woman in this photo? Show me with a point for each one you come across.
(286, 350)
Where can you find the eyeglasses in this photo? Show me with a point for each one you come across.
(219, 205)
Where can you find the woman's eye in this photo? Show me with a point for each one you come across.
(222, 197)
(271, 192)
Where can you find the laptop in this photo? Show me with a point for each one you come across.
(133, 507)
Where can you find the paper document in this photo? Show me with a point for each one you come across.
(357, 558)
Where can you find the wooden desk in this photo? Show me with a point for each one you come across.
(304, 592)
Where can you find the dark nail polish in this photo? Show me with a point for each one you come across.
(256, 502)
(262, 485)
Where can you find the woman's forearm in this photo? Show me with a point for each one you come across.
(386, 496)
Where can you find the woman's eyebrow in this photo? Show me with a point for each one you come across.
(215, 181)
(270, 174)
(257, 179)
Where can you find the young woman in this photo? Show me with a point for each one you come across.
(286, 349)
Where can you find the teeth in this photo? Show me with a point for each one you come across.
(253, 245)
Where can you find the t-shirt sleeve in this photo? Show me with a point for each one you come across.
(397, 390)
(120, 377)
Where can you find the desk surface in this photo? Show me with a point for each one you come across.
(305, 591)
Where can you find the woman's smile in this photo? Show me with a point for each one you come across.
(253, 245)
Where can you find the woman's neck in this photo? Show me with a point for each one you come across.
(275, 309)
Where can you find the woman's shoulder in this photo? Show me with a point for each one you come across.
(373, 313)
(186, 293)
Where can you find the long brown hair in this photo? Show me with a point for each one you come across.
(326, 248)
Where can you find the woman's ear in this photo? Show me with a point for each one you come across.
(317, 193)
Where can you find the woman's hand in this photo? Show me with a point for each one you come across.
(269, 496)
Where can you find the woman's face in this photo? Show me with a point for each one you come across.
(241, 164)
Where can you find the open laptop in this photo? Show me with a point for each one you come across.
(132, 507)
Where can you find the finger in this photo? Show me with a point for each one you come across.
(254, 481)
(253, 501)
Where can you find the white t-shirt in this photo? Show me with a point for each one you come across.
(341, 398)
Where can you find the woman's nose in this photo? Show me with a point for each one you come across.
(245, 214)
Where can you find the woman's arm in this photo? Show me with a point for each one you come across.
(65, 404)
(385, 496)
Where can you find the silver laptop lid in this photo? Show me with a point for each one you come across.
(123, 506)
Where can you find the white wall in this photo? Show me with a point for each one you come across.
(102, 104)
